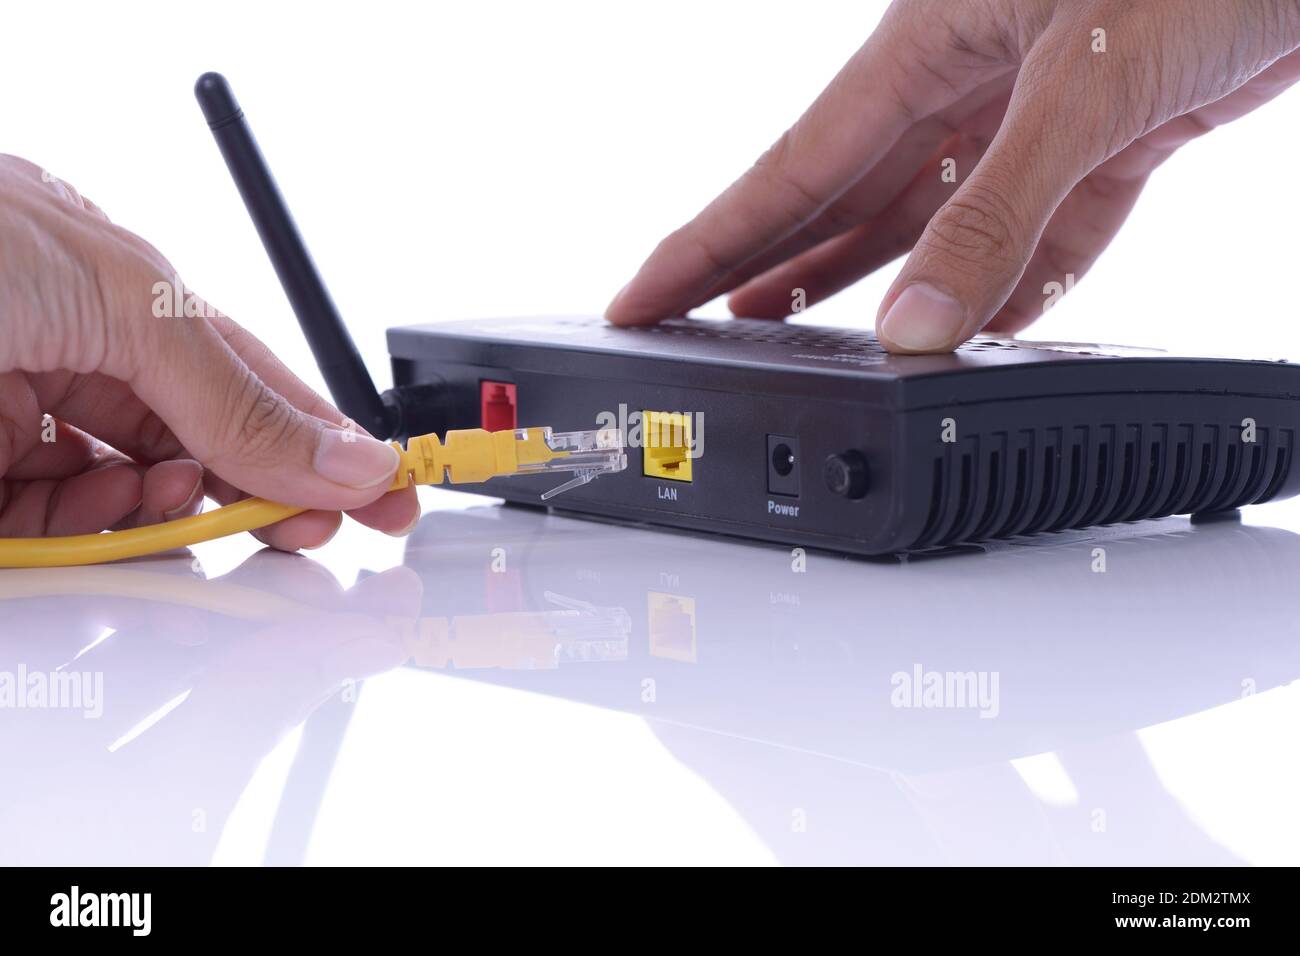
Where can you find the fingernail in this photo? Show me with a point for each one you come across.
(183, 510)
(923, 319)
(614, 301)
(358, 461)
(406, 532)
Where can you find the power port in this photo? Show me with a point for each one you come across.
(498, 406)
(782, 465)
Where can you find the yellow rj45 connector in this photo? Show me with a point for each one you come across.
(477, 455)
(472, 455)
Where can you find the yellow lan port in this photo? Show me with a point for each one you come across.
(666, 443)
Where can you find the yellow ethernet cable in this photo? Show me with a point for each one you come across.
(471, 455)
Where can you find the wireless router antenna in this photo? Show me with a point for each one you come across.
(340, 363)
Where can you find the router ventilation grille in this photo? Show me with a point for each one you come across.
(861, 342)
(1049, 479)
(776, 333)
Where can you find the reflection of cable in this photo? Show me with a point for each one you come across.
(471, 455)
(515, 640)
(218, 597)
(518, 640)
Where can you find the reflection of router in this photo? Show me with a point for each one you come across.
(671, 626)
(812, 436)
(780, 658)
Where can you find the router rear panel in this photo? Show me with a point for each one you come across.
(728, 490)
(957, 448)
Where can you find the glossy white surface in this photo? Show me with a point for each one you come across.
(460, 160)
(511, 686)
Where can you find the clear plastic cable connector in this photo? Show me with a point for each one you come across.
(588, 454)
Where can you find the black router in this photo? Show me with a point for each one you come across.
(812, 436)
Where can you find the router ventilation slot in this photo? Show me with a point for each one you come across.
(777, 333)
(862, 342)
(1007, 483)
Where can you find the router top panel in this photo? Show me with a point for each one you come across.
(846, 360)
(763, 342)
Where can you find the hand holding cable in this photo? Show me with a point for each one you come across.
(471, 455)
(125, 399)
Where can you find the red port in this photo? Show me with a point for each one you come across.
(498, 408)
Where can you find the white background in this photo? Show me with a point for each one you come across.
(458, 160)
